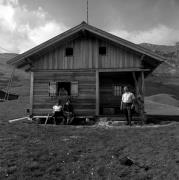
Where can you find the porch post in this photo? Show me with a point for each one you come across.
(31, 91)
(143, 83)
(139, 85)
(97, 93)
(142, 89)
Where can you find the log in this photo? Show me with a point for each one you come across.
(18, 119)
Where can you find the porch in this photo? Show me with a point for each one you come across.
(109, 89)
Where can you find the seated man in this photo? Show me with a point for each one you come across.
(58, 112)
(68, 112)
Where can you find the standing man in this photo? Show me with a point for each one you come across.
(127, 103)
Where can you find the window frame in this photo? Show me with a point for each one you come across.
(54, 87)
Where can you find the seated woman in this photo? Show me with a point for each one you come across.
(58, 113)
(68, 112)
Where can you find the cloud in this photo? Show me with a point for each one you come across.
(157, 35)
(25, 24)
(22, 29)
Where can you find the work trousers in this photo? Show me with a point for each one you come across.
(127, 107)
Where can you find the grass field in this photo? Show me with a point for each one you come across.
(31, 151)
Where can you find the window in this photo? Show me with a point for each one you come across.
(102, 50)
(69, 51)
(63, 88)
(117, 90)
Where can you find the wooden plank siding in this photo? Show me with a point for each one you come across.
(84, 103)
(86, 56)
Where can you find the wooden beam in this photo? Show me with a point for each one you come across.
(97, 93)
(18, 119)
(96, 55)
(142, 107)
(31, 91)
(122, 70)
(64, 70)
(142, 57)
(136, 83)
(143, 83)
(93, 70)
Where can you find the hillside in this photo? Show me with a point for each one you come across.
(162, 48)
(6, 71)
(162, 104)
(165, 75)
(169, 52)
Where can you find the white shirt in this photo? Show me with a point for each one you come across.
(128, 97)
(57, 108)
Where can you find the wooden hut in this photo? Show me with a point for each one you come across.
(91, 65)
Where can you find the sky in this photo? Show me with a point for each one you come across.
(27, 23)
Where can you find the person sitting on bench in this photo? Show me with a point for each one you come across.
(68, 112)
(58, 112)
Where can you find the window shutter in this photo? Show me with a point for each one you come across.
(52, 89)
(74, 88)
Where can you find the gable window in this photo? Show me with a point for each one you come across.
(102, 50)
(69, 51)
(63, 88)
(117, 90)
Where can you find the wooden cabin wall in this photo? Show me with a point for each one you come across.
(86, 56)
(84, 103)
(117, 57)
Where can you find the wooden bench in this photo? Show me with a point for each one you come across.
(47, 117)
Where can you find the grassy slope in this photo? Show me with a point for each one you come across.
(16, 108)
(164, 99)
(158, 85)
(6, 71)
(159, 91)
(155, 108)
(20, 86)
(30, 151)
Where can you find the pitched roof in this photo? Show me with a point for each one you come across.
(82, 27)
